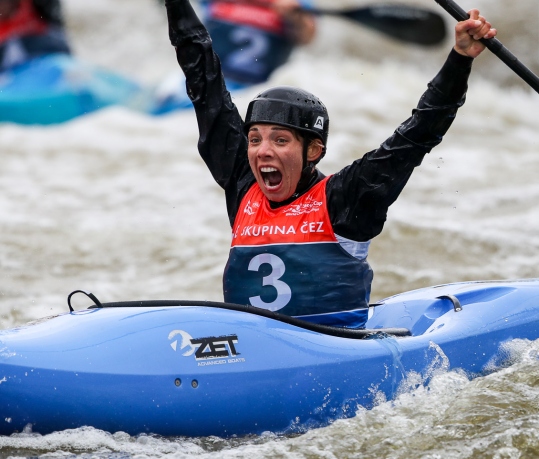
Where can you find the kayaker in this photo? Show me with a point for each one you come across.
(28, 29)
(300, 240)
(254, 38)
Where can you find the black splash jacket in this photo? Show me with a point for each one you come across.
(360, 194)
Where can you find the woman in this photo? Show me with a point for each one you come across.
(300, 240)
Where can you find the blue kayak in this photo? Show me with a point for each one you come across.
(198, 368)
(56, 88)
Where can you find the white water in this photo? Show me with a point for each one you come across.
(120, 204)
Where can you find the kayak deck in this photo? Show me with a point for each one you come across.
(200, 370)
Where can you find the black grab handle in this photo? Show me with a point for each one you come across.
(88, 294)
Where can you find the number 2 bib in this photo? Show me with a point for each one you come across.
(249, 39)
(290, 260)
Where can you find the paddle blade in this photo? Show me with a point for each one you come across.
(402, 22)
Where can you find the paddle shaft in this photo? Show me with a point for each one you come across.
(494, 45)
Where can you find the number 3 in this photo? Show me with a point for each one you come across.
(284, 294)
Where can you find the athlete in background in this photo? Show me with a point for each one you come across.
(28, 29)
(254, 38)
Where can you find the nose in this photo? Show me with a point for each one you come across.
(264, 148)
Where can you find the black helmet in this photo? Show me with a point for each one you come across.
(291, 107)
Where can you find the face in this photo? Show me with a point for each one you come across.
(275, 156)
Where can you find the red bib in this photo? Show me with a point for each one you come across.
(256, 16)
(303, 221)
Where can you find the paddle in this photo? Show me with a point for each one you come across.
(494, 45)
(403, 22)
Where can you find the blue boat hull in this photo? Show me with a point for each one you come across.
(58, 87)
(199, 370)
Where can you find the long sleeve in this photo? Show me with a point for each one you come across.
(359, 195)
(222, 142)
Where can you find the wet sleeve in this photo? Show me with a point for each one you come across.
(359, 196)
(222, 143)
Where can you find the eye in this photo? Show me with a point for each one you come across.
(254, 140)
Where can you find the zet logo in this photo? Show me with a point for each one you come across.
(211, 347)
(185, 343)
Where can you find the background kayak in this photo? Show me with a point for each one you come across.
(121, 204)
(57, 87)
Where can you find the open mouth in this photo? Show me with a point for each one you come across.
(271, 176)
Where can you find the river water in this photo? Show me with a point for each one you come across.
(119, 204)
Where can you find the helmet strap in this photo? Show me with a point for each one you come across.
(309, 168)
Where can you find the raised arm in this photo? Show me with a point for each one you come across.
(222, 143)
(362, 193)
